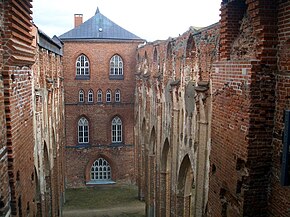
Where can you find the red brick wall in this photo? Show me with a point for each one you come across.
(18, 57)
(243, 110)
(99, 115)
(4, 179)
(279, 204)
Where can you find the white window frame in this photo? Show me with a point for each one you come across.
(108, 96)
(101, 170)
(90, 96)
(117, 95)
(99, 95)
(83, 130)
(82, 66)
(117, 130)
(116, 65)
(81, 96)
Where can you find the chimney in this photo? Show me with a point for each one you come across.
(78, 19)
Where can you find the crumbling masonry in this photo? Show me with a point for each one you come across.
(209, 116)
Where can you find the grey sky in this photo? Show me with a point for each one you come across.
(148, 19)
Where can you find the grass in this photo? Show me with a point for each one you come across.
(101, 197)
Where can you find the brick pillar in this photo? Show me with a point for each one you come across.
(231, 14)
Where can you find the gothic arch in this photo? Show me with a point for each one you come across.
(152, 147)
(47, 178)
(92, 160)
(190, 53)
(169, 56)
(165, 179)
(184, 187)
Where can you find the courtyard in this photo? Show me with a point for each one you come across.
(103, 201)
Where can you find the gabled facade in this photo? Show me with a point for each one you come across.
(99, 66)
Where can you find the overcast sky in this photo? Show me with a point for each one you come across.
(148, 19)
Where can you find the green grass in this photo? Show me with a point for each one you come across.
(101, 197)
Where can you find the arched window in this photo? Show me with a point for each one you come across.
(82, 66)
(83, 130)
(99, 96)
(101, 170)
(116, 130)
(117, 95)
(81, 96)
(116, 67)
(90, 96)
(108, 96)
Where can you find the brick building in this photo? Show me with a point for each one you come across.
(99, 66)
(26, 150)
(209, 116)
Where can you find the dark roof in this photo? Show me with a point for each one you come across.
(98, 27)
(48, 43)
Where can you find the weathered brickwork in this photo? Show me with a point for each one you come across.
(20, 161)
(172, 122)
(4, 179)
(48, 113)
(120, 156)
(246, 99)
(279, 204)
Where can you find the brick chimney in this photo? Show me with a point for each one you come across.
(78, 19)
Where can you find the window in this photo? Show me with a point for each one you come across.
(116, 67)
(101, 170)
(99, 96)
(81, 96)
(82, 66)
(83, 130)
(108, 96)
(90, 96)
(117, 95)
(116, 130)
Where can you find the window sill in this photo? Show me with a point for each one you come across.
(116, 77)
(82, 77)
(109, 182)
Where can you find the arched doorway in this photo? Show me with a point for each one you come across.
(165, 179)
(47, 177)
(151, 174)
(184, 187)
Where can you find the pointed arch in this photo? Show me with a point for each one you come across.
(82, 66)
(116, 67)
(155, 55)
(101, 170)
(90, 95)
(165, 179)
(117, 128)
(99, 96)
(83, 130)
(169, 56)
(184, 187)
(190, 47)
(47, 178)
(153, 141)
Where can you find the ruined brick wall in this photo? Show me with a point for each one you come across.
(243, 110)
(18, 57)
(48, 112)
(99, 114)
(172, 119)
(279, 204)
(4, 180)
